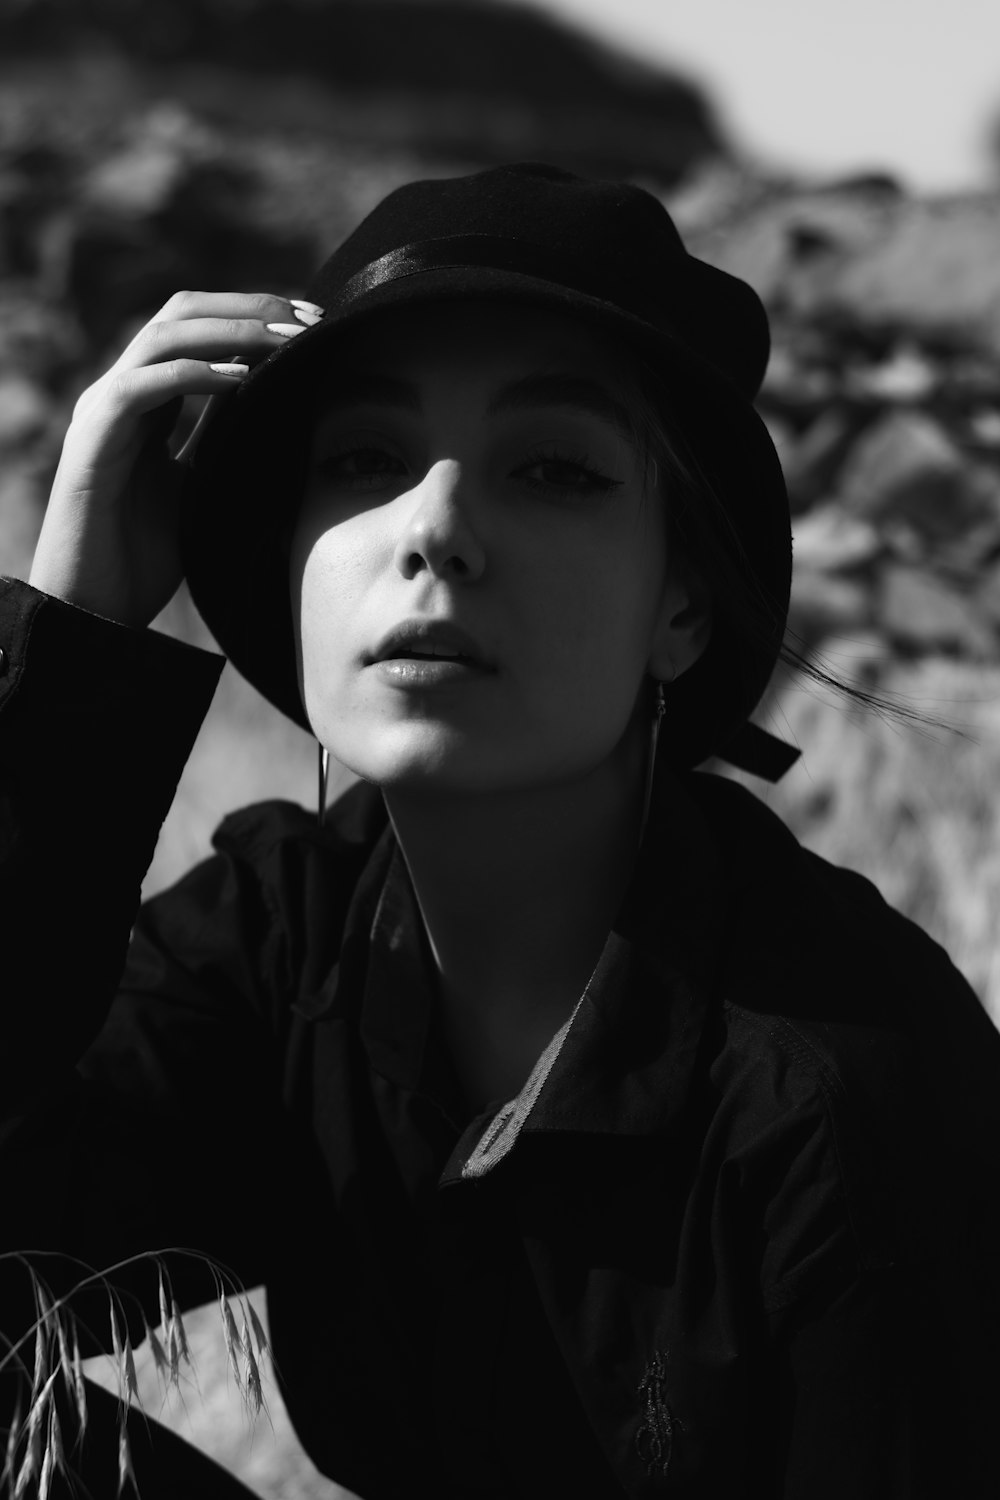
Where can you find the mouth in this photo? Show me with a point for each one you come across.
(434, 643)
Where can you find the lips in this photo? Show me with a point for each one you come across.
(430, 640)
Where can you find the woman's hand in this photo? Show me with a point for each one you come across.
(109, 539)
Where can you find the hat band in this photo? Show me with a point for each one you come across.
(464, 251)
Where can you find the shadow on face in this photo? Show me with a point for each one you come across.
(479, 570)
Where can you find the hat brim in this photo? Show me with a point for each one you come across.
(247, 475)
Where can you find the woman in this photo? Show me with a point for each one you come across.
(590, 1137)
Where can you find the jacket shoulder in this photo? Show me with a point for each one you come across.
(273, 901)
(817, 939)
(844, 1000)
(350, 829)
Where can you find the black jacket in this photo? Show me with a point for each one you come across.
(738, 1236)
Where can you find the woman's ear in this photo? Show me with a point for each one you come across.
(683, 625)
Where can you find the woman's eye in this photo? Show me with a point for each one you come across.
(563, 475)
(361, 467)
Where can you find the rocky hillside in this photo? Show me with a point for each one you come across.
(477, 79)
(883, 396)
(122, 180)
(884, 386)
(234, 142)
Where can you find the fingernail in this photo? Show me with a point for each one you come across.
(309, 318)
(236, 370)
(307, 306)
(285, 330)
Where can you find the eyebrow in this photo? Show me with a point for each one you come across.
(580, 392)
(558, 389)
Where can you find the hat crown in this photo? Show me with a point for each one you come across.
(618, 236)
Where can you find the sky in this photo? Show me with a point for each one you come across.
(831, 86)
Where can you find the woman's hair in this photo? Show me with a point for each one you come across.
(700, 528)
(699, 525)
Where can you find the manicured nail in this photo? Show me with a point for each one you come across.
(309, 318)
(238, 371)
(307, 306)
(285, 330)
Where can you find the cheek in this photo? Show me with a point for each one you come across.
(602, 603)
(329, 571)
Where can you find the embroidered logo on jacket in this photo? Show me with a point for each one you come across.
(655, 1438)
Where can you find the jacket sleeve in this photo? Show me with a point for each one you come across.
(117, 1077)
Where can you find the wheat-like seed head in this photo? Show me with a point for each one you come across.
(41, 1357)
(79, 1389)
(45, 1477)
(116, 1344)
(128, 1371)
(164, 1316)
(35, 1456)
(13, 1438)
(36, 1442)
(232, 1339)
(126, 1473)
(55, 1442)
(177, 1330)
(156, 1349)
(263, 1347)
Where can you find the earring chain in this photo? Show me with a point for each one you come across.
(324, 773)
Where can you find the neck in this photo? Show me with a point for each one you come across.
(518, 891)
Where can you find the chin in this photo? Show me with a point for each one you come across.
(465, 770)
(410, 757)
(438, 758)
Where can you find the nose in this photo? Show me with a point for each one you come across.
(437, 535)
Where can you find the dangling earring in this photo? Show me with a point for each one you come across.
(659, 708)
(324, 772)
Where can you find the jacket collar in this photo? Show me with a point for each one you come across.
(625, 1063)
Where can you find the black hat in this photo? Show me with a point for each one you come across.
(607, 252)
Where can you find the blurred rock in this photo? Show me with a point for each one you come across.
(21, 511)
(921, 613)
(142, 177)
(795, 386)
(791, 242)
(169, 204)
(782, 435)
(716, 193)
(24, 410)
(869, 258)
(34, 178)
(826, 604)
(984, 427)
(830, 540)
(967, 554)
(812, 462)
(936, 272)
(968, 378)
(988, 594)
(40, 340)
(906, 376)
(906, 469)
(476, 79)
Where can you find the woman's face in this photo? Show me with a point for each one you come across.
(479, 573)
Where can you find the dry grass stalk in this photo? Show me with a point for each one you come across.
(79, 1389)
(34, 1449)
